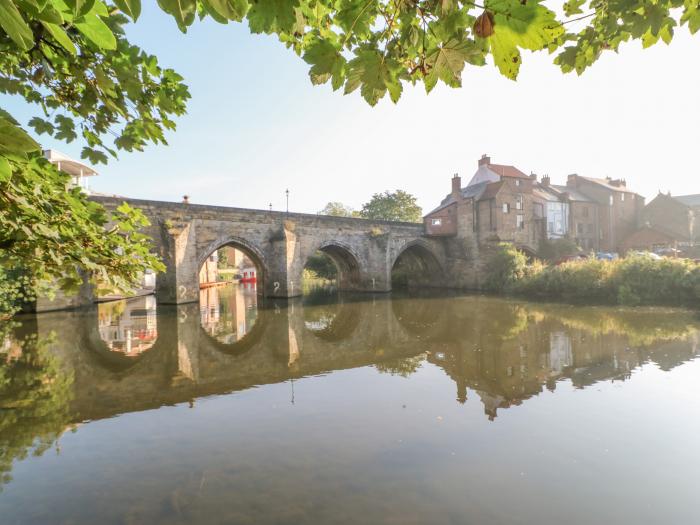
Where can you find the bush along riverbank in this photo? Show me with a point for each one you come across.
(634, 280)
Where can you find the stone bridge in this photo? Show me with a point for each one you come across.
(279, 243)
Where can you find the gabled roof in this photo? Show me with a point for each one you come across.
(473, 191)
(507, 171)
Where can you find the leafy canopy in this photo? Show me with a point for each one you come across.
(337, 209)
(392, 206)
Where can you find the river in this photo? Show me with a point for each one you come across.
(335, 408)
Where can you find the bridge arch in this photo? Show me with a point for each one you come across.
(346, 261)
(249, 249)
(417, 265)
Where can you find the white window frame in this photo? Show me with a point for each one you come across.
(436, 222)
(506, 207)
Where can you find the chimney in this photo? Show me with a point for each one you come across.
(456, 185)
(572, 180)
(485, 160)
(545, 180)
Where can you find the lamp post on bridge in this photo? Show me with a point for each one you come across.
(287, 193)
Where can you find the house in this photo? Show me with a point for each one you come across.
(619, 209)
(582, 223)
(497, 204)
(667, 222)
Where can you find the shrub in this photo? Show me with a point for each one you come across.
(506, 267)
(634, 280)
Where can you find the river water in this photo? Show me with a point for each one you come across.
(442, 409)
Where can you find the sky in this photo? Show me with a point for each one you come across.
(256, 126)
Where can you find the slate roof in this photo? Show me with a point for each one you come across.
(574, 195)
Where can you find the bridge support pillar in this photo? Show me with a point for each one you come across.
(285, 264)
(180, 282)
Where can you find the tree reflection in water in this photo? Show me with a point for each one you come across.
(35, 392)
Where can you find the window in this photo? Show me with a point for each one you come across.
(579, 228)
(585, 211)
(518, 182)
(612, 200)
(519, 202)
(436, 222)
(622, 197)
(520, 222)
(506, 207)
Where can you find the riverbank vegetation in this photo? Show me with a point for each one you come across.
(633, 280)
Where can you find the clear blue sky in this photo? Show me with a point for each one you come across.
(256, 126)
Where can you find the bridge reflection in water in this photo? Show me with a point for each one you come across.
(256, 458)
(124, 356)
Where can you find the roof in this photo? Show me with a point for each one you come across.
(688, 200)
(606, 183)
(490, 191)
(544, 193)
(69, 165)
(507, 171)
(574, 195)
(473, 191)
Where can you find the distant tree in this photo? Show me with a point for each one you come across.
(392, 206)
(337, 209)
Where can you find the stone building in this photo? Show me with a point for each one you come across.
(498, 204)
(501, 203)
(619, 209)
(583, 226)
(667, 222)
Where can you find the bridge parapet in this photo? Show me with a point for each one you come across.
(279, 243)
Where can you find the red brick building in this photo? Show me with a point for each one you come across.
(502, 203)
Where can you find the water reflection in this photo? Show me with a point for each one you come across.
(228, 312)
(129, 326)
(390, 367)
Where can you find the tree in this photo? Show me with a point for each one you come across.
(337, 209)
(396, 206)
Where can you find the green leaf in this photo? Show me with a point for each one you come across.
(61, 37)
(41, 126)
(80, 7)
(268, 16)
(15, 26)
(5, 169)
(13, 139)
(326, 62)
(375, 74)
(355, 17)
(131, 8)
(520, 25)
(183, 11)
(96, 31)
(66, 128)
(93, 155)
(228, 9)
(447, 62)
